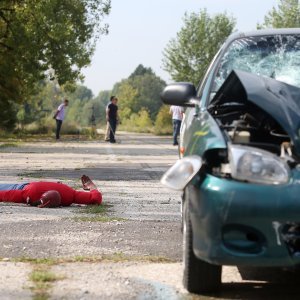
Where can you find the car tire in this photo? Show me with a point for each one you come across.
(198, 275)
(182, 212)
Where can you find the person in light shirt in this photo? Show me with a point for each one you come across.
(177, 115)
(59, 117)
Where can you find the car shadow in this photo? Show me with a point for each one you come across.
(262, 283)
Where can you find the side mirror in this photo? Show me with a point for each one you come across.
(180, 94)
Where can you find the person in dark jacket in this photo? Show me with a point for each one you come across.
(112, 118)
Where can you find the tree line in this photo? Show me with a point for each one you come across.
(45, 44)
(42, 40)
(139, 104)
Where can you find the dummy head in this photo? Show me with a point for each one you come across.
(48, 199)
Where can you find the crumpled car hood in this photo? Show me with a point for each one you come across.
(278, 99)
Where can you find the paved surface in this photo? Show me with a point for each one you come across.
(123, 258)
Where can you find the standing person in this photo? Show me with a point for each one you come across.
(59, 116)
(107, 131)
(177, 115)
(112, 118)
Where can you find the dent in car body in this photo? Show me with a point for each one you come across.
(233, 222)
(203, 134)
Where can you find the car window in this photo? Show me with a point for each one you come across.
(276, 56)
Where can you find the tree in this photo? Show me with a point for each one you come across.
(187, 57)
(287, 15)
(144, 120)
(40, 105)
(96, 109)
(149, 87)
(81, 93)
(46, 39)
(140, 71)
(128, 98)
(104, 96)
(57, 35)
(140, 90)
(99, 103)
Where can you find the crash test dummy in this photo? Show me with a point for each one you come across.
(50, 194)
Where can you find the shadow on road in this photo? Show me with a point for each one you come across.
(257, 291)
(261, 283)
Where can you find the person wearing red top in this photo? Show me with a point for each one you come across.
(33, 193)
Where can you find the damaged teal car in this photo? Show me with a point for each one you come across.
(239, 166)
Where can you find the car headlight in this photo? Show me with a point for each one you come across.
(258, 166)
(182, 172)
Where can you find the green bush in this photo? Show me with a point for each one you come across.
(48, 126)
(140, 122)
(163, 122)
(89, 132)
(70, 128)
(43, 126)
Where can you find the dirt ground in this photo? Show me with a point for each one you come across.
(132, 253)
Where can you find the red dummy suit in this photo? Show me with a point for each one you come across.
(34, 190)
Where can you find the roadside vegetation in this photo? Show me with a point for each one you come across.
(42, 63)
(8, 145)
(44, 41)
(96, 213)
(100, 219)
(139, 107)
(114, 257)
(102, 209)
(42, 280)
(41, 277)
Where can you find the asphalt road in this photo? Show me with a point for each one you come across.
(133, 253)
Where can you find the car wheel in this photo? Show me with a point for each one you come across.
(198, 275)
(182, 212)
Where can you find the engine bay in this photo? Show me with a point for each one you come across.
(249, 125)
(259, 112)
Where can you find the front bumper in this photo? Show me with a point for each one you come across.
(236, 223)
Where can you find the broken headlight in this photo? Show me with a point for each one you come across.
(182, 172)
(256, 165)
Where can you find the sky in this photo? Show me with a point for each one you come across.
(139, 31)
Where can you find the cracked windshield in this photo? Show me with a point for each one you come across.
(277, 57)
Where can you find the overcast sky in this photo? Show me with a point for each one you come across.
(139, 30)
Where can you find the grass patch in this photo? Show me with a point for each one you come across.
(114, 257)
(103, 219)
(47, 137)
(121, 257)
(43, 276)
(96, 213)
(42, 280)
(36, 261)
(95, 209)
(9, 145)
(26, 137)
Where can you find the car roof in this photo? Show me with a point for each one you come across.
(263, 32)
